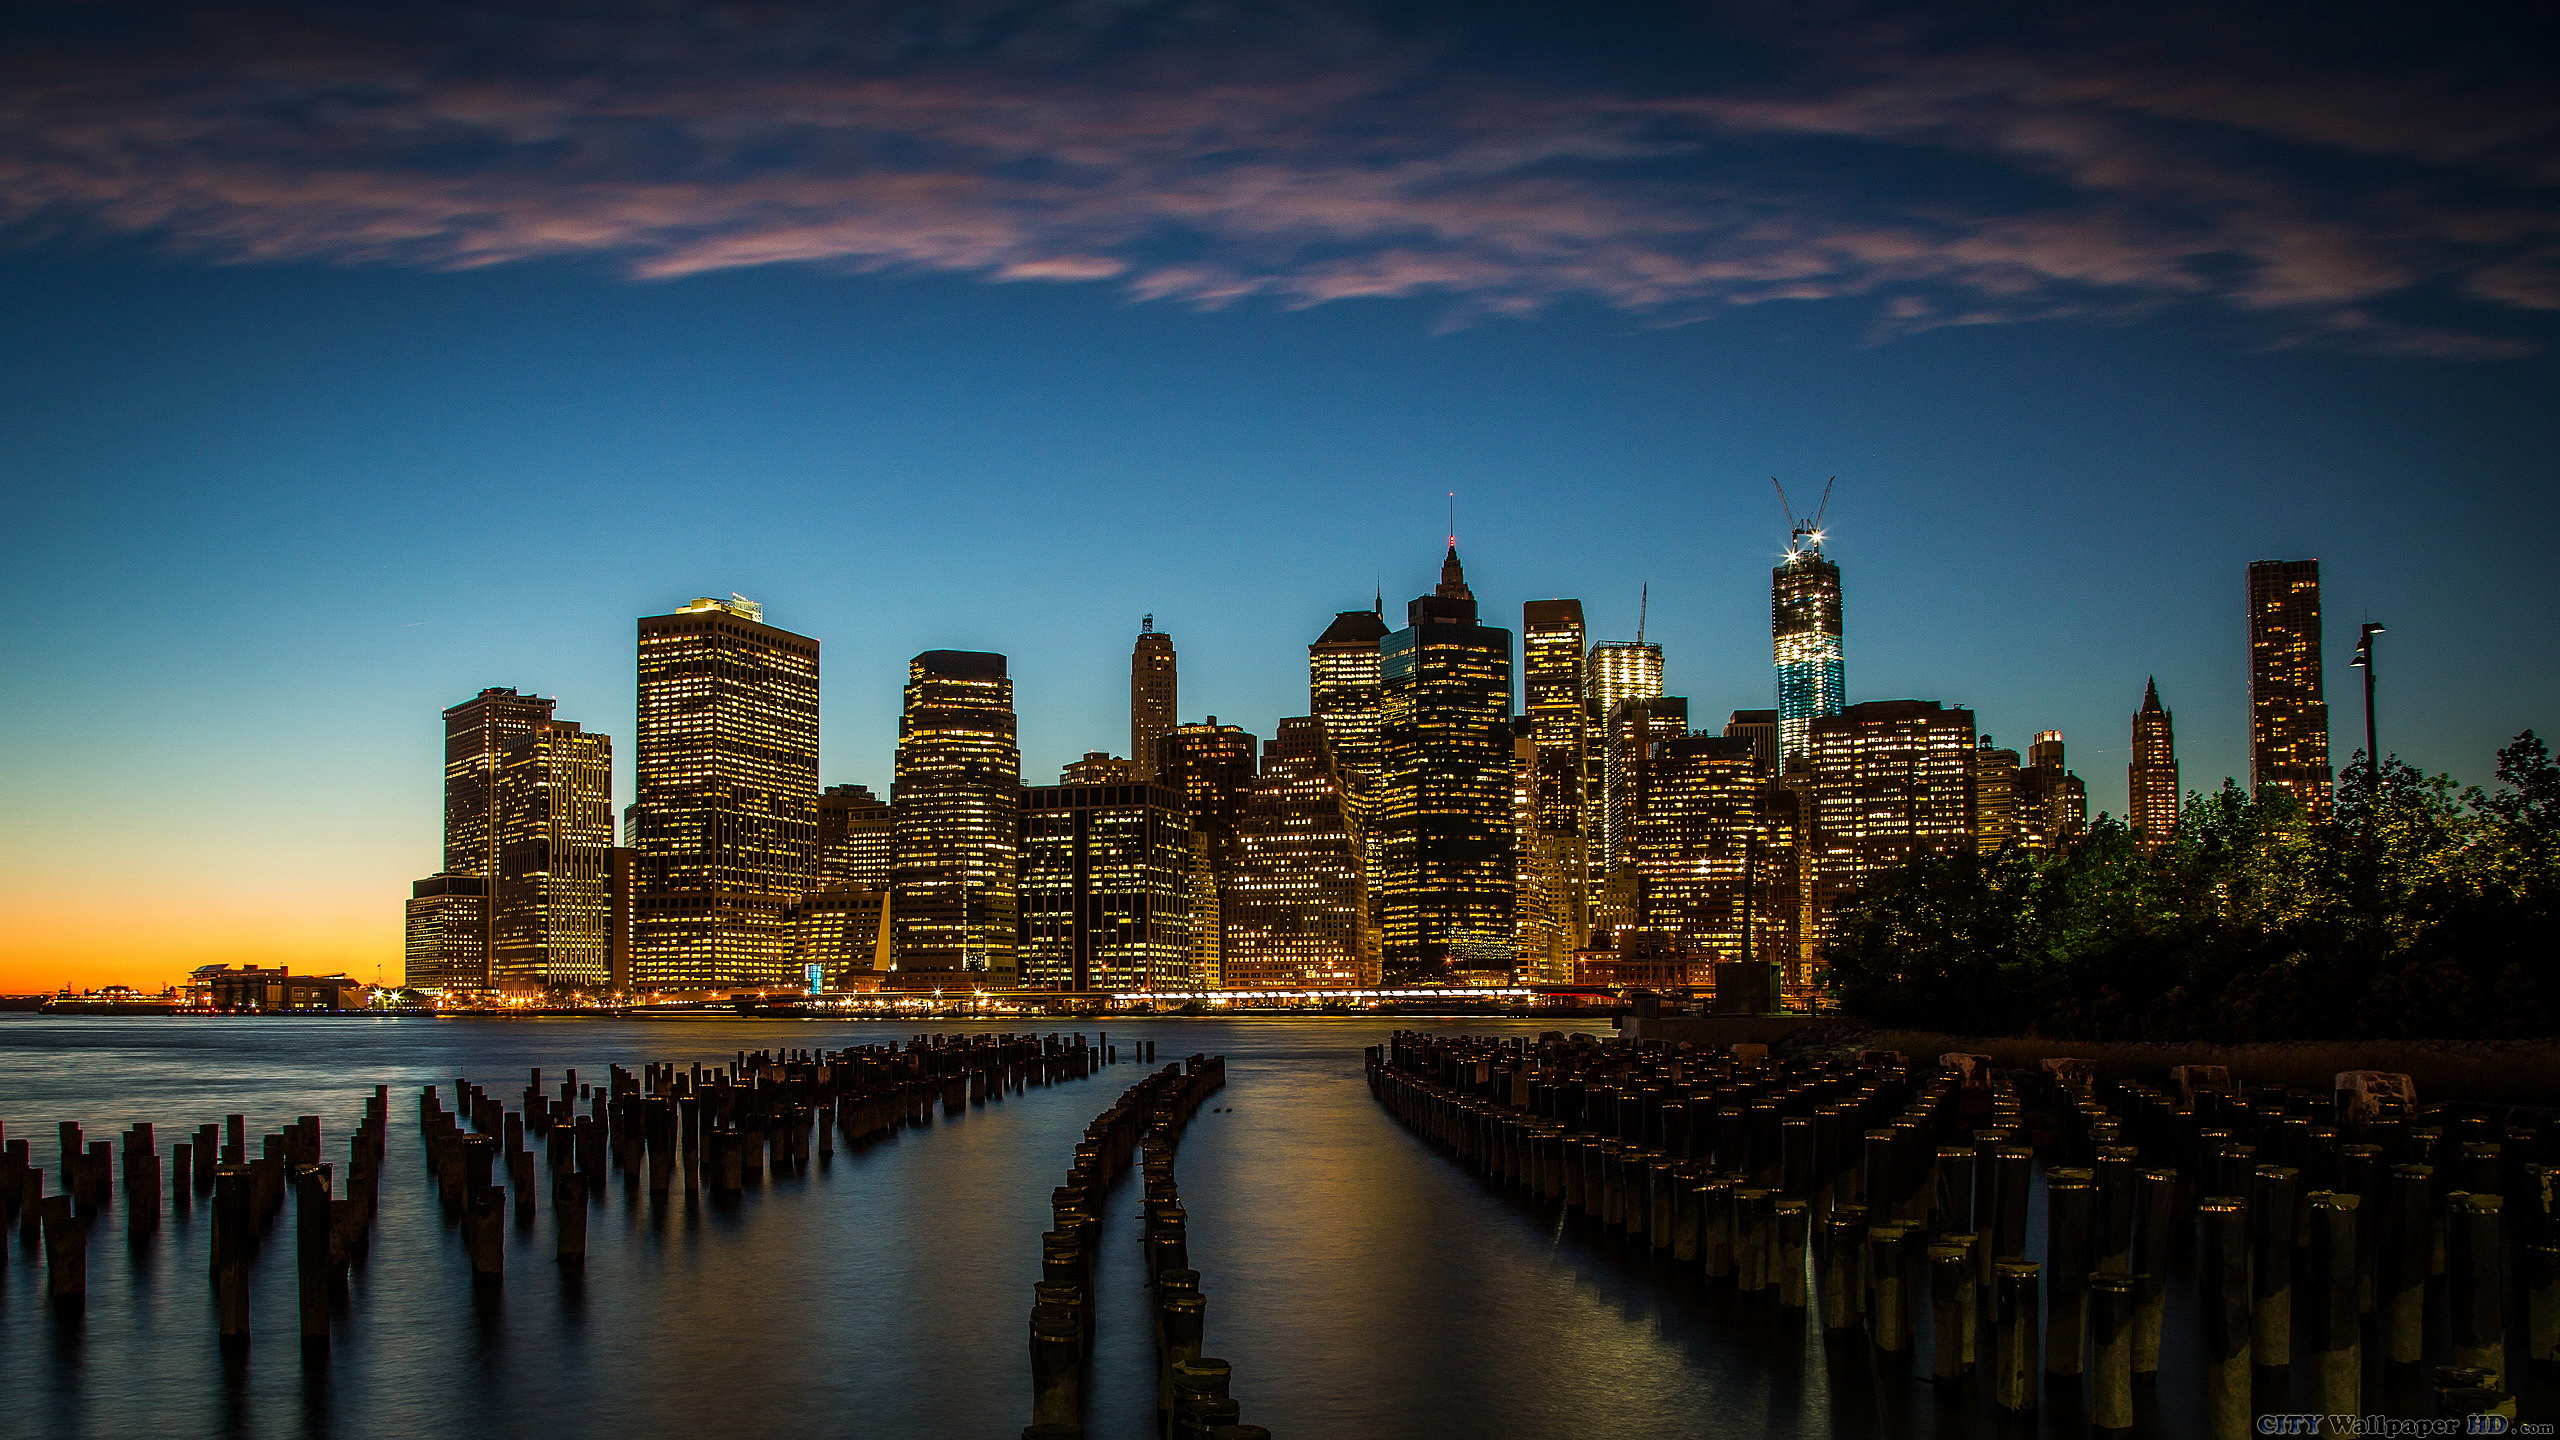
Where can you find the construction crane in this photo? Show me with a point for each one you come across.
(1807, 531)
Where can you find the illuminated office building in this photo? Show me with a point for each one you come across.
(856, 839)
(1890, 780)
(1106, 888)
(1996, 783)
(2288, 716)
(1100, 767)
(1615, 672)
(1552, 644)
(1445, 829)
(2151, 781)
(1760, 727)
(953, 816)
(1152, 694)
(1805, 642)
(1342, 692)
(1296, 906)
(1635, 727)
(840, 938)
(1714, 851)
(725, 819)
(551, 903)
(2053, 803)
(477, 736)
(1550, 911)
(447, 935)
(1210, 768)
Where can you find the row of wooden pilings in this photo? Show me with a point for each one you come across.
(1193, 1390)
(1887, 1195)
(247, 1194)
(717, 1128)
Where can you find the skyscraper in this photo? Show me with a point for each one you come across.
(855, 839)
(1106, 888)
(1552, 643)
(2053, 804)
(1714, 851)
(1995, 796)
(1296, 909)
(447, 937)
(1550, 909)
(1445, 830)
(725, 818)
(550, 911)
(1636, 726)
(953, 813)
(2151, 781)
(1152, 694)
(1615, 672)
(836, 927)
(1805, 642)
(2288, 716)
(1342, 692)
(1209, 767)
(1892, 779)
(477, 736)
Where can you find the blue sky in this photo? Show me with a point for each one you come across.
(317, 427)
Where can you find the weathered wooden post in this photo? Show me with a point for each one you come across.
(2475, 1265)
(2222, 1304)
(2111, 1350)
(1789, 1218)
(230, 1252)
(1951, 1296)
(2336, 1328)
(2019, 1364)
(1057, 1367)
(66, 1253)
(311, 1255)
(2271, 1255)
(2406, 1260)
(569, 1220)
(2154, 1211)
(2068, 1197)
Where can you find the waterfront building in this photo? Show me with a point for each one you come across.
(2151, 781)
(1714, 851)
(2288, 711)
(1106, 888)
(1805, 642)
(953, 820)
(1296, 910)
(447, 933)
(857, 840)
(725, 818)
(1153, 694)
(840, 938)
(478, 733)
(551, 901)
(1342, 692)
(1445, 827)
(1209, 767)
(1890, 780)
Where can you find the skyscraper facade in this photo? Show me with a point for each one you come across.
(855, 839)
(725, 820)
(1209, 767)
(1615, 672)
(1636, 726)
(2288, 711)
(551, 903)
(1153, 694)
(1805, 643)
(2151, 781)
(1296, 908)
(447, 933)
(1714, 851)
(1342, 692)
(478, 734)
(1891, 780)
(2053, 804)
(1552, 646)
(1445, 829)
(1106, 888)
(953, 817)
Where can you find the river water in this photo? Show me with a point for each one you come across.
(1360, 1283)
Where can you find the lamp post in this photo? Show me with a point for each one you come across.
(2364, 662)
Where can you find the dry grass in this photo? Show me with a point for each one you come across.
(2512, 1072)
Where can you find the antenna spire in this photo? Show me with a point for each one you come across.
(1644, 602)
(1147, 623)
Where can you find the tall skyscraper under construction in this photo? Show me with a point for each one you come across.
(2288, 711)
(953, 821)
(1153, 694)
(2151, 781)
(1445, 828)
(724, 824)
(1805, 642)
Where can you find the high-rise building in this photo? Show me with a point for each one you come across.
(2288, 714)
(1106, 888)
(1805, 642)
(953, 813)
(1636, 726)
(2053, 803)
(1615, 672)
(551, 903)
(1552, 643)
(448, 933)
(2151, 781)
(725, 819)
(1714, 851)
(1296, 908)
(856, 840)
(1209, 767)
(1342, 692)
(1100, 767)
(478, 733)
(1995, 796)
(1760, 727)
(1550, 888)
(1153, 694)
(1445, 829)
(1891, 780)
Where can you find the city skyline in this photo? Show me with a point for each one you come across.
(996, 333)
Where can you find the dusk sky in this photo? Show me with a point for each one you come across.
(362, 356)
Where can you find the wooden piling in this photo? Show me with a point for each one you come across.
(2223, 1308)
(2336, 1329)
(2069, 1198)
(2271, 1266)
(2017, 1341)
(2111, 1350)
(2475, 1266)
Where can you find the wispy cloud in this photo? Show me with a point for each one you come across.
(1313, 159)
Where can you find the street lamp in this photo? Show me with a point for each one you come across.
(2364, 662)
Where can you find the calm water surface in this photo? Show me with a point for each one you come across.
(1361, 1285)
